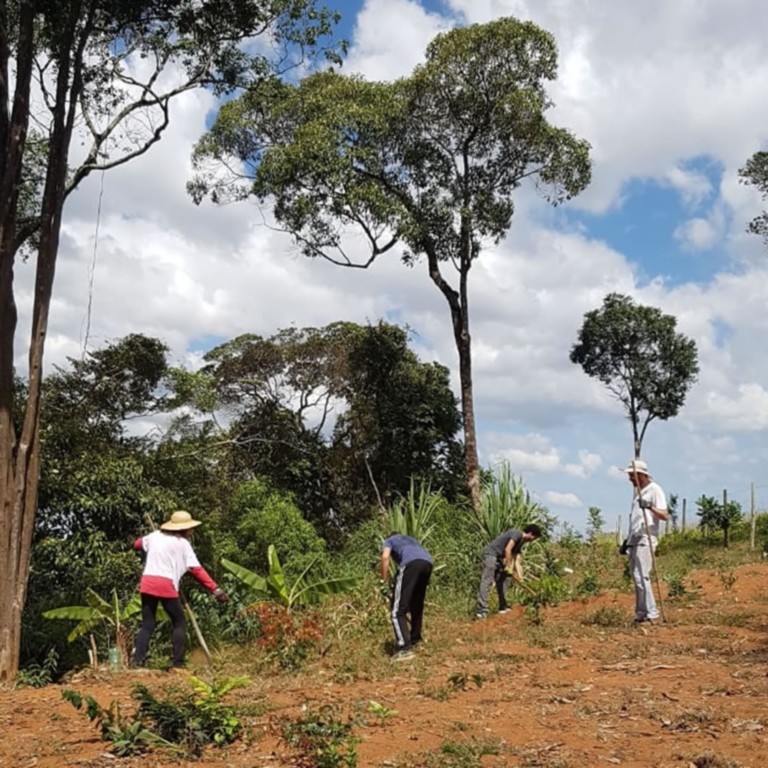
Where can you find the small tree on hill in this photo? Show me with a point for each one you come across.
(595, 523)
(715, 514)
(637, 354)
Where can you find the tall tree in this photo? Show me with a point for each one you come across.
(429, 162)
(755, 173)
(637, 354)
(104, 73)
(94, 476)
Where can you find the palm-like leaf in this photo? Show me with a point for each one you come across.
(257, 584)
(412, 515)
(507, 504)
(276, 578)
(275, 588)
(96, 611)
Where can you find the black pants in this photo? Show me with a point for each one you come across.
(408, 596)
(175, 611)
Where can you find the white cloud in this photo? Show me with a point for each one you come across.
(535, 453)
(557, 499)
(652, 86)
(746, 409)
(390, 38)
(700, 234)
(588, 464)
(693, 186)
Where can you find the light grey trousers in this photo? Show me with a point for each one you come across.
(640, 567)
(493, 573)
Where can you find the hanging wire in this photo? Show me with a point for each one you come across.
(92, 274)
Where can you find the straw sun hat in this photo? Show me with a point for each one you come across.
(637, 467)
(180, 521)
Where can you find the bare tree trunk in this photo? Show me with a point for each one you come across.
(464, 347)
(457, 301)
(20, 465)
(13, 136)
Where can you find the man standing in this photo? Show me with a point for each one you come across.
(410, 589)
(648, 507)
(501, 558)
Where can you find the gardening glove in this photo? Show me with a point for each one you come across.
(221, 595)
(644, 503)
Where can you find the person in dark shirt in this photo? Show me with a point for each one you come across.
(414, 569)
(500, 558)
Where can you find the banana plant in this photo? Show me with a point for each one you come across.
(275, 588)
(98, 612)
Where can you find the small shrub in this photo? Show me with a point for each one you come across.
(608, 616)
(379, 711)
(548, 590)
(727, 578)
(589, 585)
(323, 739)
(460, 681)
(38, 675)
(192, 719)
(127, 734)
(289, 637)
(675, 585)
(711, 760)
(189, 720)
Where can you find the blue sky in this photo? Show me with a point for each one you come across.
(671, 97)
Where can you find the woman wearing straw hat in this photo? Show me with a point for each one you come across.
(169, 557)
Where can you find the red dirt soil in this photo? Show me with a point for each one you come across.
(568, 692)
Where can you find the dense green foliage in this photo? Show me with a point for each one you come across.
(238, 443)
(641, 359)
(717, 515)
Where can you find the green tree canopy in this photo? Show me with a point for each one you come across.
(94, 473)
(642, 360)
(755, 173)
(333, 415)
(428, 163)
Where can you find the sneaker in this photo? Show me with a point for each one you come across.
(503, 610)
(403, 655)
(481, 615)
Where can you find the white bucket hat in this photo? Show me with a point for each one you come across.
(180, 521)
(637, 467)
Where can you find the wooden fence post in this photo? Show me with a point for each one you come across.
(683, 522)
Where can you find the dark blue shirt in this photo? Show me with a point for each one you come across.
(405, 549)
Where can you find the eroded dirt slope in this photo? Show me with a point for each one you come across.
(583, 688)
